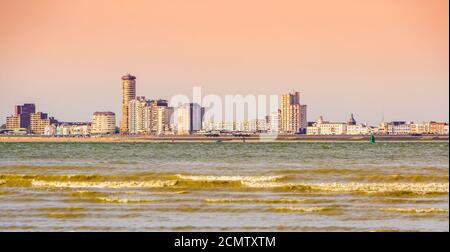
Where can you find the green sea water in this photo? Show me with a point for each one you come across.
(224, 186)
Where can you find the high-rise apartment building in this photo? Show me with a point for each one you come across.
(303, 119)
(159, 117)
(103, 123)
(136, 116)
(25, 111)
(128, 94)
(274, 122)
(189, 118)
(292, 115)
(148, 117)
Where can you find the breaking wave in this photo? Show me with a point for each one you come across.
(202, 182)
(264, 201)
(416, 210)
(388, 188)
(291, 209)
(122, 200)
(104, 184)
(206, 178)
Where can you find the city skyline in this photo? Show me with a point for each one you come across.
(372, 58)
(129, 93)
(186, 116)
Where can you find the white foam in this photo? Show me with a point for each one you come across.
(104, 184)
(229, 178)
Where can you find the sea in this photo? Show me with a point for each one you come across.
(219, 186)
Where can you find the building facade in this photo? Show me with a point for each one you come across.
(13, 122)
(189, 118)
(128, 94)
(103, 123)
(22, 117)
(303, 119)
(38, 122)
(395, 128)
(25, 111)
(159, 117)
(293, 116)
(274, 122)
(136, 115)
(68, 130)
(432, 128)
(321, 127)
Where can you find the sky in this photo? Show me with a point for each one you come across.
(372, 58)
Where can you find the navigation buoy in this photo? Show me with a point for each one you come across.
(372, 139)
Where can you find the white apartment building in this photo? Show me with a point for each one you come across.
(189, 118)
(103, 123)
(274, 122)
(136, 115)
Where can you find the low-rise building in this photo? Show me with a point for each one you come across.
(322, 127)
(312, 130)
(395, 128)
(68, 129)
(433, 128)
(50, 130)
(436, 128)
(359, 129)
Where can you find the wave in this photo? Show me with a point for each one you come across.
(387, 188)
(207, 178)
(416, 210)
(182, 182)
(62, 212)
(291, 209)
(2, 192)
(104, 184)
(204, 209)
(264, 201)
(407, 178)
(375, 175)
(52, 167)
(121, 200)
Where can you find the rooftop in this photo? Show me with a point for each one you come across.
(128, 77)
(104, 113)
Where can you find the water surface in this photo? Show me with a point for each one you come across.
(224, 187)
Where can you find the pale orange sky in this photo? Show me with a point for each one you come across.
(347, 56)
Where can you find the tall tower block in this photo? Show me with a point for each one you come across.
(290, 113)
(128, 94)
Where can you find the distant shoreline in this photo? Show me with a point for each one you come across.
(225, 139)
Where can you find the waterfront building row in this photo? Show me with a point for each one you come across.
(321, 127)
